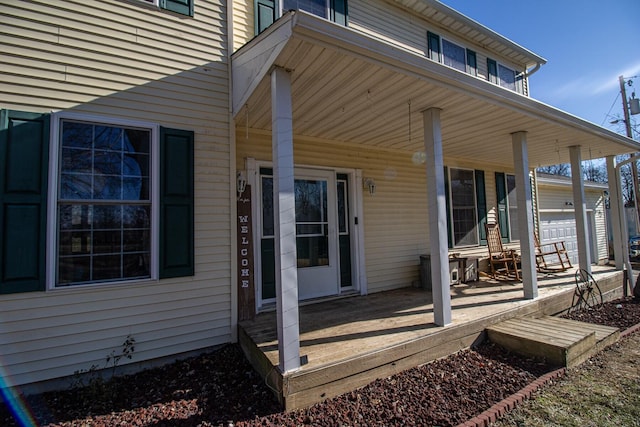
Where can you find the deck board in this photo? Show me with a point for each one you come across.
(350, 342)
(562, 342)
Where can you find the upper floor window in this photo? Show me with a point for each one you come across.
(451, 54)
(184, 7)
(267, 11)
(317, 7)
(501, 75)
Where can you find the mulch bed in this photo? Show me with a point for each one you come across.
(222, 389)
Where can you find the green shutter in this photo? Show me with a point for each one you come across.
(176, 203)
(24, 161)
(503, 213)
(472, 63)
(492, 71)
(433, 45)
(265, 12)
(448, 199)
(481, 202)
(339, 11)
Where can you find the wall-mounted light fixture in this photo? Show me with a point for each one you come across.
(569, 203)
(241, 182)
(371, 185)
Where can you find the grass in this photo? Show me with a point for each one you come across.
(604, 391)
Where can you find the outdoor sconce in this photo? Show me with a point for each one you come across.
(568, 203)
(371, 185)
(241, 182)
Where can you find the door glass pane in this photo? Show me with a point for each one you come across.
(267, 206)
(342, 208)
(312, 227)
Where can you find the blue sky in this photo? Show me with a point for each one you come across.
(587, 45)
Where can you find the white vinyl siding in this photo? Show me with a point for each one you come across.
(243, 22)
(380, 19)
(395, 220)
(121, 59)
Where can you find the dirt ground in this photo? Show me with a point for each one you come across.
(221, 389)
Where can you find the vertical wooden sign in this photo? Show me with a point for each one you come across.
(246, 285)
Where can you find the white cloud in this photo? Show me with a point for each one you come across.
(611, 82)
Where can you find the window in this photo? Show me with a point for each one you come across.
(317, 7)
(183, 7)
(507, 77)
(464, 218)
(104, 204)
(101, 202)
(501, 75)
(267, 11)
(451, 54)
(507, 206)
(512, 201)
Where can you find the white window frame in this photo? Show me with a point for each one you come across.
(501, 82)
(326, 3)
(52, 202)
(464, 52)
(475, 208)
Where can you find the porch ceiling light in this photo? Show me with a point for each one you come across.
(370, 183)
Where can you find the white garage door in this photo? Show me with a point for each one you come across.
(555, 226)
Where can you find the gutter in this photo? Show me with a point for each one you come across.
(528, 73)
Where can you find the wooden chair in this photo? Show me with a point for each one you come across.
(500, 259)
(554, 250)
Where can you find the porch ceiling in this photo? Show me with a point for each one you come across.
(352, 88)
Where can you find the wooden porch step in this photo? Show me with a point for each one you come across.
(562, 342)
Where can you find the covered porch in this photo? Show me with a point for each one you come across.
(328, 96)
(348, 342)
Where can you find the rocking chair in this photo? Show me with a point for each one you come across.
(501, 259)
(551, 249)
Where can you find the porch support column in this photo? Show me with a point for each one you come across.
(284, 221)
(437, 205)
(580, 208)
(525, 214)
(615, 197)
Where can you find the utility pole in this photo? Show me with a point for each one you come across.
(634, 165)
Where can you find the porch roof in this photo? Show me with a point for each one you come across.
(350, 87)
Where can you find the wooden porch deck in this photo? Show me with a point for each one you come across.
(348, 342)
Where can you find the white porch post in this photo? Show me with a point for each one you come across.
(615, 212)
(437, 204)
(525, 214)
(284, 221)
(580, 208)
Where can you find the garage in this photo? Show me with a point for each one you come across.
(560, 226)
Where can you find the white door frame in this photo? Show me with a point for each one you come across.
(356, 222)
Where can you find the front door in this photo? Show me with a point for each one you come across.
(316, 234)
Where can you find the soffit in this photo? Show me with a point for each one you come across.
(348, 87)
